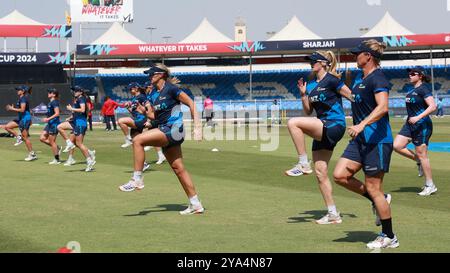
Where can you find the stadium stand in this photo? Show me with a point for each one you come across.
(232, 88)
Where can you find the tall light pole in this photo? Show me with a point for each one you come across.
(166, 38)
(151, 32)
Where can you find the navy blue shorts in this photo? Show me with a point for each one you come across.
(331, 134)
(374, 157)
(24, 124)
(140, 125)
(51, 128)
(174, 133)
(80, 127)
(418, 133)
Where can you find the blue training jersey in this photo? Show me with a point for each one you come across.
(140, 99)
(51, 106)
(326, 99)
(77, 104)
(20, 101)
(416, 104)
(166, 104)
(363, 92)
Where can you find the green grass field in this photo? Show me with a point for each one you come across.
(251, 206)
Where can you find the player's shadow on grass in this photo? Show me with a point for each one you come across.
(312, 215)
(357, 236)
(159, 208)
(408, 189)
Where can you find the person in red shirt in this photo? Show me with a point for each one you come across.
(108, 112)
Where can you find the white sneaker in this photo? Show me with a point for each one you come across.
(90, 165)
(70, 146)
(128, 143)
(147, 148)
(146, 167)
(427, 190)
(31, 157)
(420, 169)
(374, 210)
(132, 185)
(299, 169)
(70, 162)
(329, 218)
(192, 210)
(19, 141)
(161, 160)
(294, 171)
(54, 162)
(382, 241)
(92, 154)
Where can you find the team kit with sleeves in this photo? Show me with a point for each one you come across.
(327, 102)
(373, 147)
(421, 131)
(168, 114)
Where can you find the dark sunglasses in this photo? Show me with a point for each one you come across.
(412, 74)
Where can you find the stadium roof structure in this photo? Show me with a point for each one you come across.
(17, 18)
(206, 33)
(294, 30)
(387, 26)
(116, 34)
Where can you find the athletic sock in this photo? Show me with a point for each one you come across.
(332, 209)
(160, 155)
(303, 159)
(137, 175)
(386, 227)
(194, 201)
(68, 142)
(429, 183)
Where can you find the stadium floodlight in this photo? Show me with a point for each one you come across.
(166, 38)
(151, 32)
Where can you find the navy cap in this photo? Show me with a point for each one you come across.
(362, 47)
(152, 70)
(77, 88)
(133, 85)
(419, 69)
(22, 87)
(316, 57)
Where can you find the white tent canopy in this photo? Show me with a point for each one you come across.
(294, 30)
(206, 33)
(17, 18)
(116, 34)
(387, 26)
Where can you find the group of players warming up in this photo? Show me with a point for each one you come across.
(371, 143)
(157, 121)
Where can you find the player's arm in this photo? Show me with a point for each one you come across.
(346, 93)
(150, 111)
(307, 107)
(78, 110)
(382, 99)
(430, 109)
(22, 108)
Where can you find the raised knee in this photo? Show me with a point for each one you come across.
(339, 178)
(321, 173)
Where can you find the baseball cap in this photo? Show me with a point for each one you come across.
(362, 47)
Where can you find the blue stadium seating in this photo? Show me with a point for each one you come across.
(231, 86)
